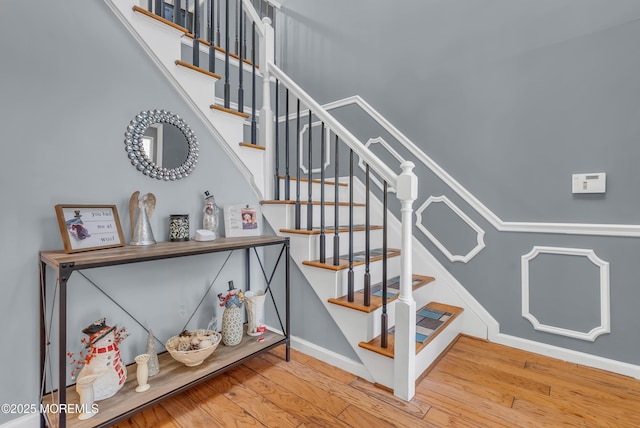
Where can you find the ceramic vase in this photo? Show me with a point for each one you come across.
(142, 372)
(254, 301)
(232, 325)
(84, 387)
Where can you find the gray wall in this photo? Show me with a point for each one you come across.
(511, 98)
(72, 79)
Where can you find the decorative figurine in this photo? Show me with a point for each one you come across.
(140, 211)
(102, 359)
(154, 367)
(211, 217)
(232, 316)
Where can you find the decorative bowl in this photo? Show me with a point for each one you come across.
(193, 347)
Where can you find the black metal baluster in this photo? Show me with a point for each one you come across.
(367, 239)
(177, 13)
(218, 22)
(227, 87)
(287, 178)
(276, 175)
(297, 210)
(310, 182)
(186, 20)
(350, 277)
(240, 64)
(254, 125)
(196, 34)
(323, 256)
(159, 7)
(336, 208)
(212, 48)
(236, 22)
(384, 328)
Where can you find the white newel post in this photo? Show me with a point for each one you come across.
(405, 324)
(267, 50)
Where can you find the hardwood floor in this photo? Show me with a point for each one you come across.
(475, 384)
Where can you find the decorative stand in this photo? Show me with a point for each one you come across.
(84, 387)
(142, 372)
(255, 312)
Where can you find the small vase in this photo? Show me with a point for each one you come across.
(84, 387)
(142, 372)
(232, 326)
(255, 312)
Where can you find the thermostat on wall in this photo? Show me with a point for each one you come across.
(589, 183)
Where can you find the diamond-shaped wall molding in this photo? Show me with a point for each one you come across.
(303, 141)
(605, 310)
(453, 207)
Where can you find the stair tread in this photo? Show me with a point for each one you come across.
(198, 69)
(375, 345)
(315, 180)
(330, 229)
(228, 110)
(291, 202)
(358, 259)
(252, 146)
(393, 291)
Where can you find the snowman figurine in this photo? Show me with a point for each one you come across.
(105, 362)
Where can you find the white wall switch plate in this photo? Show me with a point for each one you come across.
(589, 183)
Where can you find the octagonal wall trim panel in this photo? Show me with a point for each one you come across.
(304, 142)
(387, 147)
(453, 207)
(605, 307)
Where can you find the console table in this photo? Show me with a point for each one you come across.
(174, 377)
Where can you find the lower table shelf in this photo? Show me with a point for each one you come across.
(174, 377)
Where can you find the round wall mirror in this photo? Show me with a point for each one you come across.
(161, 145)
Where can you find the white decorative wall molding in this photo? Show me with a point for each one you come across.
(499, 224)
(302, 140)
(605, 310)
(396, 155)
(453, 207)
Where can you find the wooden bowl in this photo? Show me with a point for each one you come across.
(193, 357)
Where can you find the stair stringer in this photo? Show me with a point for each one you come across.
(163, 45)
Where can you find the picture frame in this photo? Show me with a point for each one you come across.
(241, 220)
(89, 227)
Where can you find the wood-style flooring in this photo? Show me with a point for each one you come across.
(475, 384)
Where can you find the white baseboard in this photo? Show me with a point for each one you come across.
(330, 357)
(26, 421)
(568, 355)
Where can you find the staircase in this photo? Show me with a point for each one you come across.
(398, 334)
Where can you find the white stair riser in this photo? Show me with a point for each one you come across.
(307, 247)
(329, 284)
(329, 191)
(285, 218)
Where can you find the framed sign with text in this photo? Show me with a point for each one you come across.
(89, 227)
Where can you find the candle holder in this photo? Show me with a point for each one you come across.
(142, 372)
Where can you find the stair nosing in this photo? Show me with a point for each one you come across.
(392, 252)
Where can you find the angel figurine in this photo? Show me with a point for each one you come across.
(140, 211)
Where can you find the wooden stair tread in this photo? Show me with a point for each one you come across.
(198, 69)
(330, 230)
(252, 146)
(344, 260)
(228, 110)
(187, 33)
(160, 19)
(315, 180)
(375, 345)
(291, 202)
(376, 301)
